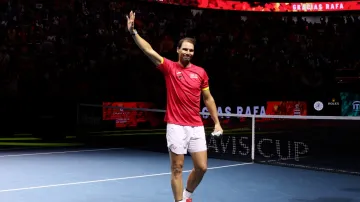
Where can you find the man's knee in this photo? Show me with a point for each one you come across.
(177, 164)
(200, 162)
(201, 168)
(177, 168)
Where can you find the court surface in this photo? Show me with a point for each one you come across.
(124, 175)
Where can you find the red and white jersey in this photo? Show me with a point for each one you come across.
(184, 86)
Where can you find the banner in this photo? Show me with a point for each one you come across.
(248, 108)
(295, 108)
(350, 104)
(267, 7)
(326, 105)
(131, 118)
(137, 118)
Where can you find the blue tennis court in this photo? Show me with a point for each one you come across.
(117, 174)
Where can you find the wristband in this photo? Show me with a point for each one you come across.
(134, 33)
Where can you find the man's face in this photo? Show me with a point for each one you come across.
(186, 51)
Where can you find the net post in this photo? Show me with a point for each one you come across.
(253, 138)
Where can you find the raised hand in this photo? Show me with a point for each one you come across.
(130, 21)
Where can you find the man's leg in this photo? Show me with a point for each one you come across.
(177, 144)
(197, 173)
(198, 150)
(177, 163)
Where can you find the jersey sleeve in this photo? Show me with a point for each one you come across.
(164, 66)
(205, 82)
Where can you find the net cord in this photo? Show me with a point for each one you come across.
(348, 118)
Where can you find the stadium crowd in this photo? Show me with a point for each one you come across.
(81, 50)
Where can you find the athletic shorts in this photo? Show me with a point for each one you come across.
(183, 139)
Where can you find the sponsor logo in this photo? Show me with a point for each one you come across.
(356, 106)
(333, 103)
(318, 106)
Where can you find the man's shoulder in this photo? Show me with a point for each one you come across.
(198, 69)
(168, 61)
(166, 64)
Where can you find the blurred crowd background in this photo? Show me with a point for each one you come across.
(80, 50)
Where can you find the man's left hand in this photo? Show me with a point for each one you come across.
(218, 129)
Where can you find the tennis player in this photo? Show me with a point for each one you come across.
(185, 82)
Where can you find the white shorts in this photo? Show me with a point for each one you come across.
(181, 139)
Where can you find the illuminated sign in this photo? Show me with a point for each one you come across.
(248, 110)
(268, 7)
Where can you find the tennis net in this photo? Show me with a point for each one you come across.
(324, 143)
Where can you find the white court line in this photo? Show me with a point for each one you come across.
(62, 152)
(113, 179)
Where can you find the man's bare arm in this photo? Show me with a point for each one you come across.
(147, 49)
(140, 42)
(210, 105)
